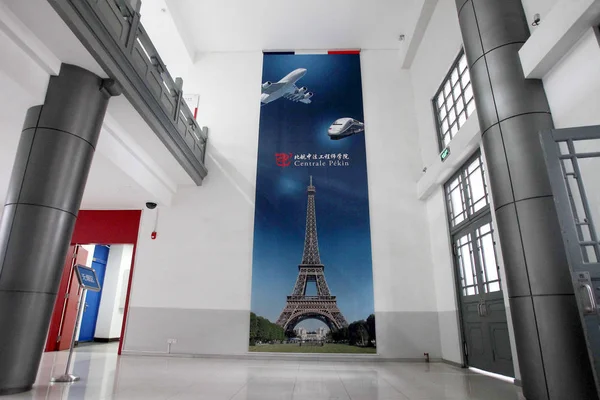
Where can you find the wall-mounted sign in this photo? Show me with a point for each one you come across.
(87, 278)
(445, 154)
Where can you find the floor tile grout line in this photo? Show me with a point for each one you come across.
(343, 384)
(240, 389)
(180, 392)
(395, 388)
(295, 381)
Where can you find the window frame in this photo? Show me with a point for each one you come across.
(471, 226)
(434, 107)
(466, 194)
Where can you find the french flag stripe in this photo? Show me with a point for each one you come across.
(278, 53)
(343, 52)
(298, 52)
(310, 52)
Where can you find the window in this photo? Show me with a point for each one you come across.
(486, 256)
(467, 193)
(471, 229)
(463, 249)
(453, 103)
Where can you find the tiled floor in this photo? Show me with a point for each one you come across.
(104, 376)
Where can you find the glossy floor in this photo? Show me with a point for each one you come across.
(105, 376)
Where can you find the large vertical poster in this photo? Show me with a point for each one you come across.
(312, 279)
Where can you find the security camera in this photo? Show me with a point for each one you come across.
(151, 205)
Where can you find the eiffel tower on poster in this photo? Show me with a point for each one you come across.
(299, 306)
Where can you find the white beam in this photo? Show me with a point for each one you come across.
(22, 36)
(120, 148)
(564, 25)
(413, 40)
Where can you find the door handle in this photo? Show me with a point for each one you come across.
(481, 309)
(592, 307)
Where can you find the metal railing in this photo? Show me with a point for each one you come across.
(311, 298)
(112, 32)
(168, 92)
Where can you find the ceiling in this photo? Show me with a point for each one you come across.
(243, 25)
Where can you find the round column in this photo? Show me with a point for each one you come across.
(512, 110)
(51, 168)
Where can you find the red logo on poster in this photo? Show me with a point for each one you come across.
(283, 160)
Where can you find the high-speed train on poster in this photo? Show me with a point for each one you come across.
(345, 127)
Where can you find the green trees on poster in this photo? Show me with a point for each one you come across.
(358, 333)
(339, 336)
(263, 330)
(371, 329)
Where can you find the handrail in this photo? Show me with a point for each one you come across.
(111, 30)
(179, 110)
(174, 88)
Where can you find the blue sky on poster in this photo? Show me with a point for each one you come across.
(342, 205)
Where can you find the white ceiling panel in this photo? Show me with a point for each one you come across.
(242, 25)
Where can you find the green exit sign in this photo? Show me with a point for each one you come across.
(445, 154)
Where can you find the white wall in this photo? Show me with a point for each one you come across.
(532, 7)
(405, 300)
(440, 47)
(572, 86)
(193, 283)
(443, 268)
(110, 313)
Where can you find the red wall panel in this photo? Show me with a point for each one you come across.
(107, 227)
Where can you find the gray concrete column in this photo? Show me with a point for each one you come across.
(512, 110)
(48, 178)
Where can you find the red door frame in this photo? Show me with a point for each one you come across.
(110, 227)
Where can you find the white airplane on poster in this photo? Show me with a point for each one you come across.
(286, 88)
(345, 127)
